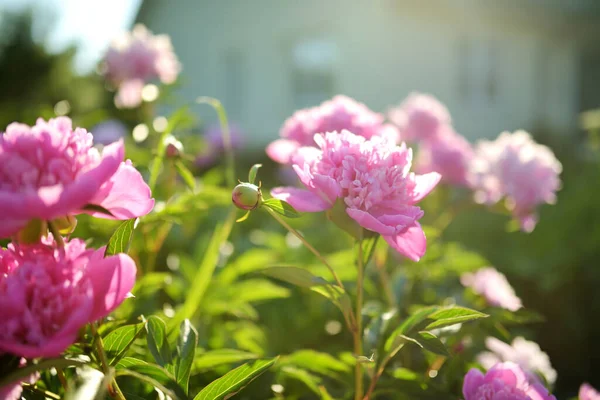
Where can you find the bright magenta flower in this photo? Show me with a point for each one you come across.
(13, 391)
(372, 180)
(587, 392)
(137, 58)
(420, 117)
(337, 114)
(527, 354)
(449, 153)
(504, 381)
(493, 286)
(518, 169)
(49, 171)
(47, 294)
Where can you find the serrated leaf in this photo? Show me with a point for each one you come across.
(431, 342)
(157, 340)
(117, 342)
(186, 350)
(234, 381)
(121, 239)
(21, 374)
(214, 358)
(281, 207)
(252, 173)
(452, 315)
(186, 175)
(96, 209)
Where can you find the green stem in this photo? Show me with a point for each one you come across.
(104, 361)
(57, 236)
(62, 379)
(358, 350)
(306, 244)
(229, 159)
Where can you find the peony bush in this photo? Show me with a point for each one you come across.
(139, 277)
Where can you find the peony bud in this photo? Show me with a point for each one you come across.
(174, 148)
(65, 225)
(246, 196)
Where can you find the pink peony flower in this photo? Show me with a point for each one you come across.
(420, 117)
(137, 58)
(337, 114)
(518, 169)
(493, 286)
(449, 154)
(372, 180)
(525, 353)
(587, 392)
(13, 391)
(504, 381)
(49, 171)
(47, 294)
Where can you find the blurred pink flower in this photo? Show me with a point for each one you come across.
(420, 117)
(525, 353)
(518, 169)
(587, 392)
(51, 170)
(337, 114)
(504, 381)
(493, 286)
(13, 391)
(449, 154)
(136, 58)
(47, 294)
(372, 179)
(109, 131)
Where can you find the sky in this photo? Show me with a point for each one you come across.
(88, 24)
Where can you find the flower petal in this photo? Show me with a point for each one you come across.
(369, 222)
(424, 184)
(473, 379)
(125, 195)
(410, 242)
(282, 150)
(300, 199)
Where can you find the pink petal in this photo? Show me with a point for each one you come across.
(282, 150)
(300, 199)
(410, 242)
(369, 222)
(327, 188)
(473, 379)
(424, 184)
(11, 226)
(509, 373)
(112, 278)
(125, 195)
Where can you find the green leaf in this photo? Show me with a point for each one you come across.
(214, 358)
(186, 175)
(120, 240)
(157, 340)
(205, 272)
(244, 217)
(310, 380)
(431, 342)
(152, 374)
(416, 319)
(303, 278)
(97, 209)
(281, 207)
(186, 350)
(452, 315)
(253, 172)
(314, 361)
(117, 342)
(89, 384)
(234, 381)
(22, 373)
(405, 374)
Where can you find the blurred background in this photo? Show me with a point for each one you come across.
(497, 65)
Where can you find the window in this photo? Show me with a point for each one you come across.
(313, 78)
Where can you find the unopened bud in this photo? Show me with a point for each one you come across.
(174, 148)
(246, 196)
(65, 225)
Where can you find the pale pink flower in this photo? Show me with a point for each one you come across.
(420, 117)
(47, 294)
(51, 170)
(518, 169)
(372, 180)
(587, 392)
(449, 154)
(493, 286)
(136, 58)
(526, 353)
(504, 381)
(13, 391)
(337, 114)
